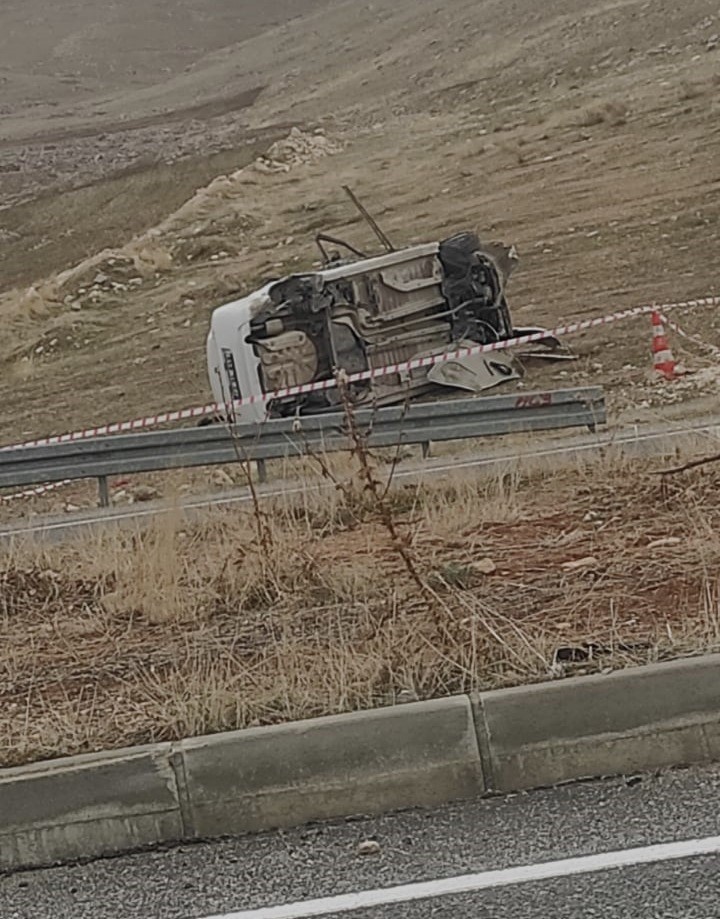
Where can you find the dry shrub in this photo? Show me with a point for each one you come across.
(613, 113)
(691, 90)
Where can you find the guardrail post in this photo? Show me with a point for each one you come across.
(262, 471)
(104, 491)
(425, 449)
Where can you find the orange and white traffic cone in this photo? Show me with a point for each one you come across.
(663, 359)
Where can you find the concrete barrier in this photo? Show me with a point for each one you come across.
(418, 754)
(640, 719)
(87, 806)
(414, 755)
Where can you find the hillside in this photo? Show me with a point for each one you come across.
(586, 133)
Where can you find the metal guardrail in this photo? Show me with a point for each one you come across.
(417, 423)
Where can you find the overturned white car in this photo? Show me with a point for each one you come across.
(363, 314)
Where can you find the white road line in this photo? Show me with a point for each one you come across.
(485, 880)
(106, 519)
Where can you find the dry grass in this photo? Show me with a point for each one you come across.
(189, 628)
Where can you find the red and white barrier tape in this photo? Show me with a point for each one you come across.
(119, 427)
(321, 385)
(505, 344)
(214, 408)
(703, 345)
(34, 492)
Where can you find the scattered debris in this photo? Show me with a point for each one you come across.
(405, 696)
(588, 651)
(297, 149)
(145, 493)
(484, 566)
(581, 563)
(368, 847)
(665, 543)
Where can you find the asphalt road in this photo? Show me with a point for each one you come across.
(593, 819)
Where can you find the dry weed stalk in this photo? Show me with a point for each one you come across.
(264, 535)
(359, 440)
(692, 464)
(401, 542)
